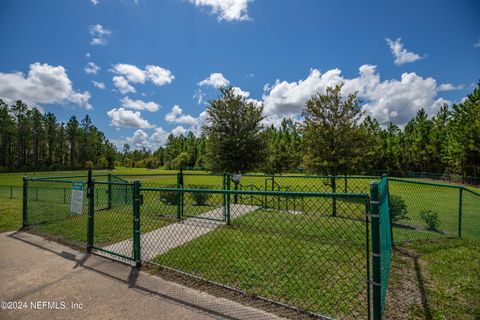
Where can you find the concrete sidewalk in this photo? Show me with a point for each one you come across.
(164, 239)
(35, 272)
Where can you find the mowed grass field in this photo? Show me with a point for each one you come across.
(295, 252)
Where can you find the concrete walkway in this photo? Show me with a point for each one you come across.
(161, 240)
(56, 282)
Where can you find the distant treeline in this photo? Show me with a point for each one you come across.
(449, 142)
(30, 140)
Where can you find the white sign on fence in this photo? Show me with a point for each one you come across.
(236, 178)
(76, 198)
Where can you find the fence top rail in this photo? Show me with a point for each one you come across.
(338, 195)
(63, 177)
(310, 176)
(55, 180)
(115, 183)
(426, 183)
(145, 174)
(471, 191)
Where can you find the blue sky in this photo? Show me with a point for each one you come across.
(152, 65)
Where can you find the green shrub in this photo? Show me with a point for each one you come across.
(200, 198)
(431, 219)
(398, 208)
(169, 197)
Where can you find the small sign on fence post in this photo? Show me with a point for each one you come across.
(76, 198)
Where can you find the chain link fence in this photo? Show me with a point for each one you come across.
(320, 245)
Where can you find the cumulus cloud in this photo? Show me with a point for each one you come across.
(94, 2)
(122, 117)
(129, 73)
(92, 68)
(401, 54)
(389, 100)
(139, 105)
(98, 85)
(449, 87)
(179, 130)
(216, 80)
(139, 140)
(176, 116)
(99, 35)
(44, 84)
(228, 10)
(122, 85)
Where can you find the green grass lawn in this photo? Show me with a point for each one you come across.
(307, 260)
(447, 270)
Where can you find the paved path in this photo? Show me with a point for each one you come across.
(36, 271)
(161, 240)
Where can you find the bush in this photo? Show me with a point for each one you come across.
(88, 164)
(152, 163)
(431, 219)
(398, 208)
(200, 198)
(169, 197)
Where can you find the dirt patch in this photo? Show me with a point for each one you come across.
(407, 285)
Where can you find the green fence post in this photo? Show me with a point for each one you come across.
(180, 196)
(25, 204)
(227, 220)
(91, 209)
(64, 196)
(376, 268)
(460, 203)
(137, 200)
(384, 176)
(334, 198)
(224, 187)
(109, 192)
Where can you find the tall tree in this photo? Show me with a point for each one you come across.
(332, 137)
(234, 133)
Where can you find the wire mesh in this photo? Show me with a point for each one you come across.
(470, 214)
(385, 238)
(10, 192)
(48, 208)
(304, 258)
(422, 210)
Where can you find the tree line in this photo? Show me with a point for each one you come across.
(335, 137)
(31, 140)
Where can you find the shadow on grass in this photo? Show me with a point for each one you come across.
(414, 257)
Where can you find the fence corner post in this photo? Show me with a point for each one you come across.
(376, 268)
(24, 203)
(91, 209)
(460, 204)
(137, 200)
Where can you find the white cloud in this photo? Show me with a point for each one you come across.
(98, 85)
(87, 55)
(122, 85)
(99, 35)
(127, 118)
(92, 68)
(215, 80)
(139, 140)
(159, 137)
(179, 130)
(44, 84)
(158, 75)
(401, 54)
(139, 105)
(176, 116)
(130, 73)
(477, 44)
(229, 10)
(389, 100)
(449, 87)
(94, 2)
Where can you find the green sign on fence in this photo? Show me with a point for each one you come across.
(76, 198)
